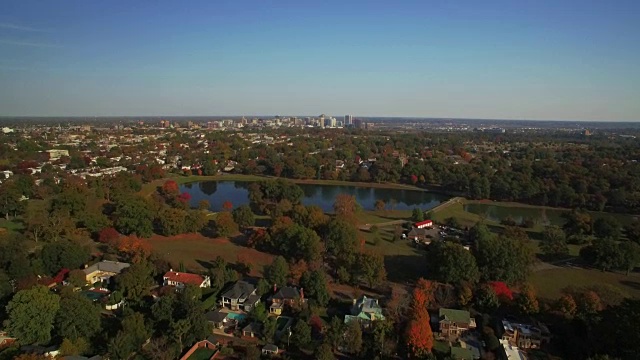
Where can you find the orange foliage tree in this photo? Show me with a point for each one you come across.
(134, 248)
(345, 206)
(419, 336)
(171, 188)
(227, 206)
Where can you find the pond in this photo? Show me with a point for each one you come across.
(217, 192)
(496, 213)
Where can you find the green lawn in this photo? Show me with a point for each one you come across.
(13, 225)
(202, 354)
(376, 217)
(550, 283)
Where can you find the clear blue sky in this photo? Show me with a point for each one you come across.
(443, 58)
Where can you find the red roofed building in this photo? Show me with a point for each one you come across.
(181, 279)
(423, 224)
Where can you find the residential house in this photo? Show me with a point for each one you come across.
(182, 279)
(252, 330)
(269, 349)
(217, 318)
(241, 296)
(204, 344)
(525, 336)
(5, 339)
(285, 296)
(423, 224)
(454, 323)
(104, 270)
(365, 310)
(418, 235)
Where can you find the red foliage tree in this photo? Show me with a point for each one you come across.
(170, 187)
(108, 235)
(502, 290)
(419, 335)
(257, 238)
(414, 179)
(227, 206)
(184, 198)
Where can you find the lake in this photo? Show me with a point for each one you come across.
(217, 192)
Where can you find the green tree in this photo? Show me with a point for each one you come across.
(135, 281)
(607, 227)
(63, 254)
(324, 352)
(315, 287)
(277, 272)
(258, 313)
(335, 332)
(630, 256)
(36, 218)
(486, 298)
(31, 314)
(269, 329)
(130, 338)
(301, 334)
(554, 242)
(503, 259)
(417, 215)
(371, 268)
(353, 338)
(133, 215)
(70, 347)
(10, 204)
(243, 216)
(77, 318)
(341, 239)
(299, 242)
(451, 263)
(607, 254)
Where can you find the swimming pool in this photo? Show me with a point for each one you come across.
(237, 317)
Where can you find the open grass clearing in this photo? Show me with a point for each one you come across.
(550, 283)
(197, 252)
(13, 225)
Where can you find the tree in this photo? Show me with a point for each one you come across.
(297, 242)
(417, 215)
(301, 334)
(77, 318)
(380, 205)
(345, 206)
(353, 336)
(94, 219)
(486, 298)
(607, 227)
(277, 272)
(63, 255)
(258, 313)
(36, 218)
(134, 281)
(451, 263)
(633, 231)
(109, 236)
(630, 256)
(10, 204)
(527, 301)
(335, 332)
(269, 328)
(130, 338)
(170, 188)
(314, 284)
(341, 239)
(554, 242)
(371, 268)
(70, 347)
(172, 221)
(134, 248)
(243, 216)
(31, 314)
(577, 223)
(324, 352)
(419, 336)
(133, 215)
(203, 204)
(224, 224)
(606, 253)
(503, 259)
(566, 304)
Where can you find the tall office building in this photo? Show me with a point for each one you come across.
(348, 120)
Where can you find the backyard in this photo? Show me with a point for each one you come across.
(550, 283)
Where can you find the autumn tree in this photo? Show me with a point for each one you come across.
(109, 236)
(36, 218)
(554, 242)
(172, 221)
(380, 205)
(419, 337)
(224, 224)
(134, 248)
(527, 301)
(227, 206)
(346, 206)
(566, 304)
(170, 188)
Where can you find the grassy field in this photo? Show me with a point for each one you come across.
(197, 251)
(550, 283)
(13, 225)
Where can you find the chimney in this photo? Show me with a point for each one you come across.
(275, 288)
(302, 294)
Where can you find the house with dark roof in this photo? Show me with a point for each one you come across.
(365, 310)
(182, 279)
(217, 318)
(285, 296)
(269, 349)
(240, 296)
(252, 330)
(453, 323)
(104, 270)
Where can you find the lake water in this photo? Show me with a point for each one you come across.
(217, 192)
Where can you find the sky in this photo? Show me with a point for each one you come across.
(548, 60)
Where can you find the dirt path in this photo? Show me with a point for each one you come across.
(367, 227)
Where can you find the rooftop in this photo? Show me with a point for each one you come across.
(239, 290)
(107, 266)
(287, 292)
(185, 278)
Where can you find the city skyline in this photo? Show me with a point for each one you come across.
(497, 60)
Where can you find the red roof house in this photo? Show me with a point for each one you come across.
(181, 279)
(423, 224)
